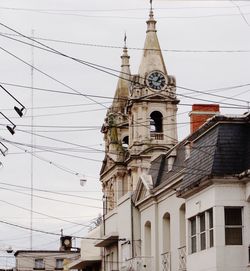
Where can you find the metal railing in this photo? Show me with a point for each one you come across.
(157, 136)
(165, 261)
(182, 258)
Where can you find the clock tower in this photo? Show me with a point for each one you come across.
(141, 123)
(152, 104)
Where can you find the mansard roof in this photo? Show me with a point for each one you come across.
(220, 148)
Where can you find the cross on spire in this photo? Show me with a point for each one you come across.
(125, 39)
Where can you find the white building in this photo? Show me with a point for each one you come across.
(171, 206)
(195, 211)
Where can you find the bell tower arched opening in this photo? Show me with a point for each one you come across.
(156, 125)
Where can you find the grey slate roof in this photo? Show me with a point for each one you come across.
(221, 147)
(223, 151)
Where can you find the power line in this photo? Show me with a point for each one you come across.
(51, 199)
(62, 113)
(43, 214)
(55, 106)
(125, 17)
(107, 46)
(120, 9)
(91, 65)
(53, 233)
(59, 140)
(61, 167)
(107, 97)
(241, 13)
(51, 77)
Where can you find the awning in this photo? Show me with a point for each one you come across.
(82, 263)
(108, 240)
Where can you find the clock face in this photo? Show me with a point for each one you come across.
(66, 242)
(156, 80)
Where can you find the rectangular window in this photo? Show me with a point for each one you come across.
(201, 231)
(39, 264)
(59, 264)
(193, 234)
(233, 225)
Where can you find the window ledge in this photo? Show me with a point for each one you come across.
(35, 268)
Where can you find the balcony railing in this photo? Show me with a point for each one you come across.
(182, 258)
(166, 261)
(138, 264)
(157, 136)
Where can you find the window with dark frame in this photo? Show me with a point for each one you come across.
(39, 264)
(59, 264)
(233, 225)
(201, 231)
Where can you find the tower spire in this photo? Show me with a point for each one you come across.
(123, 85)
(152, 58)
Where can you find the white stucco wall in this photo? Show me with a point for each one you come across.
(155, 214)
(220, 257)
(88, 249)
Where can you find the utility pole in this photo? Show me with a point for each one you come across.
(32, 142)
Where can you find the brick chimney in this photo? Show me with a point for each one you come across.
(201, 113)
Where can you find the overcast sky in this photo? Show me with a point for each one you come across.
(206, 46)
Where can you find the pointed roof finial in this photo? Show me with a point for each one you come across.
(151, 5)
(125, 40)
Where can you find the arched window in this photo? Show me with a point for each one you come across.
(156, 122)
(125, 142)
(147, 238)
(166, 232)
(182, 229)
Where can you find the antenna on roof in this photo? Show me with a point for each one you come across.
(151, 5)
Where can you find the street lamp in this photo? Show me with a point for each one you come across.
(83, 181)
(20, 111)
(5, 150)
(9, 249)
(10, 129)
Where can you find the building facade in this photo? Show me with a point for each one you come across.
(196, 213)
(29, 260)
(169, 205)
(139, 126)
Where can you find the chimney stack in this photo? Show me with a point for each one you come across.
(201, 113)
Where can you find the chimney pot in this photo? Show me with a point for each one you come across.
(201, 113)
